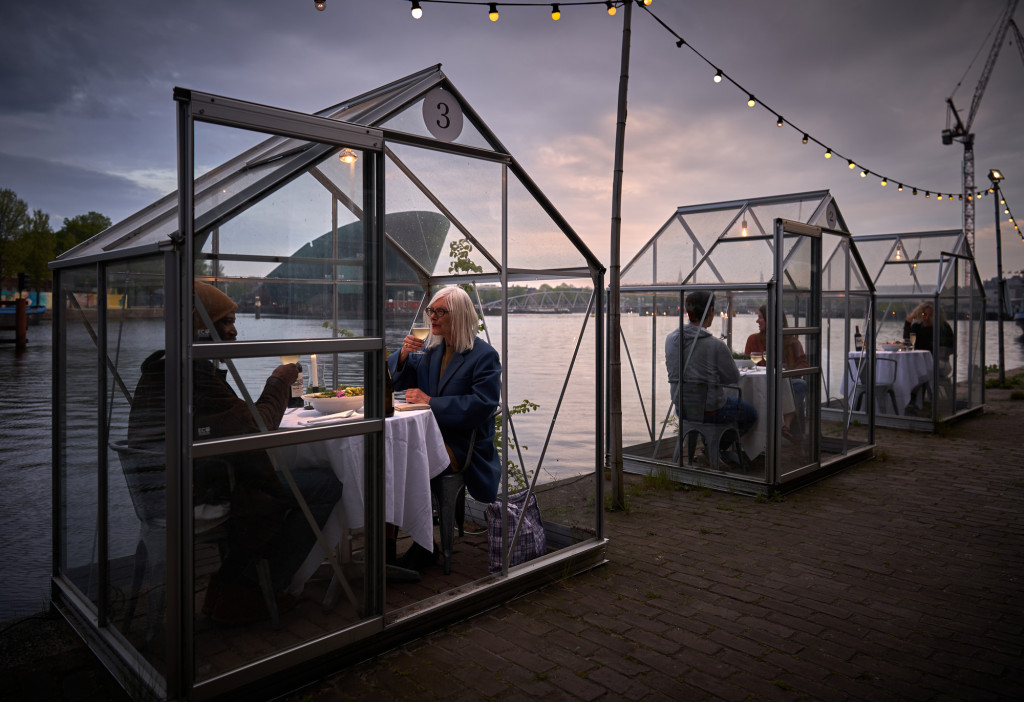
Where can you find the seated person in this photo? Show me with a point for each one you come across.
(459, 376)
(921, 323)
(793, 356)
(264, 518)
(707, 360)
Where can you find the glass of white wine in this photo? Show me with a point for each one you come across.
(289, 359)
(420, 333)
(757, 357)
(913, 340)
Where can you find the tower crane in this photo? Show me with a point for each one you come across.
(959, 130)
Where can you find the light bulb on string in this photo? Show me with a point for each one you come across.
(927, 194)
(556, 14)
(492, 12)
(804, 140)
(778, 121)
(718, 76)
(864, 174)
(320, 4)
(885, 181)
(611, 8)
(417, 11)
(900, 188)
(743, 228)
(828, 153)
(915, 192)
(851, 164)
(751, 101)
(951, 197)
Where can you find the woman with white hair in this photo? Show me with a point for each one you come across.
(459, 376)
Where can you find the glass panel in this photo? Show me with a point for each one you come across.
(78, 435)
(468, 190)
(291, 264)
(136, 456)
(534, 241)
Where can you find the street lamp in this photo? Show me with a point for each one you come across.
(995, 176)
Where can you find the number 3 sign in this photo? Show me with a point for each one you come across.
(442, 114)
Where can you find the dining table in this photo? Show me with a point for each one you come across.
(413, 454)
(913, 369)
(754, 385)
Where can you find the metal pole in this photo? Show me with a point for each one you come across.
(1002, 290)
(614, 359)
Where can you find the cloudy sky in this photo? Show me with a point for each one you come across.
(87, 120)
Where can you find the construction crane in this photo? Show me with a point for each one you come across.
(959, 130)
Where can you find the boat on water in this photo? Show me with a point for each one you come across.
(33, 315)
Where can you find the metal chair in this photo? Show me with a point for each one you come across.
(885, 380)
(691, 424)
(449, 492)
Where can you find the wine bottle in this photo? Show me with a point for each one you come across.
(296, 399)
(389, 388)
(858, 340)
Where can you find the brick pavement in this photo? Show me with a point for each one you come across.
(895, 579)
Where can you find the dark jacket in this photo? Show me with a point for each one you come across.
(463, 400)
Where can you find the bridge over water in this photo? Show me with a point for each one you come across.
(571, 301)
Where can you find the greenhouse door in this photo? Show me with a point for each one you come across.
(796, 322)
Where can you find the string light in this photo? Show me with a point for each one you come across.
(863, 174)
(320, 4)
(885, 181)
(718, 76)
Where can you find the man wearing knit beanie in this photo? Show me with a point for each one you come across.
(264, 519)
(217, 306)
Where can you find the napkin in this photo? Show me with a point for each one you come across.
(408, 407)
(327, 418)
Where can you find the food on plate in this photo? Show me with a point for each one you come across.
(342, 391)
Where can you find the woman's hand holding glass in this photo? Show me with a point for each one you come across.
(410, 344)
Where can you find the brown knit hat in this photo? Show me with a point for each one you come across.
(216, 303)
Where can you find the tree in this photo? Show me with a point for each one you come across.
(34, 249)
(13, 218)
(79, 228)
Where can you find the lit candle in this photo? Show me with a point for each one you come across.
(314, 379)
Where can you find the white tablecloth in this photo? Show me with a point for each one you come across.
(912, 369)
(413, 454)
(754, 384)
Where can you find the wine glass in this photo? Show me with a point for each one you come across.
(757, 357)
(913, 340)
(289, 359)
(421, 333)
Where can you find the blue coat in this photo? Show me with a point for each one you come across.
(463, 400)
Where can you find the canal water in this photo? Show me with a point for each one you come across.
(548, 341)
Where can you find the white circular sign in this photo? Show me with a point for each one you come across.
(442, 114)
(830, 216)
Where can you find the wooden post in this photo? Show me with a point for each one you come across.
(21, 323)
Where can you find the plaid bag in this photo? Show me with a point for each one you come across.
(532, 541)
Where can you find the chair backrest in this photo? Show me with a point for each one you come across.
(144, 472)
(693, 398)
(885, 371)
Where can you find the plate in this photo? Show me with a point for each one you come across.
(894, 347)
(332, 405)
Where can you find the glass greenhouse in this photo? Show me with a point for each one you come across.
(177, 472)
(937, 373)
(787, 263)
